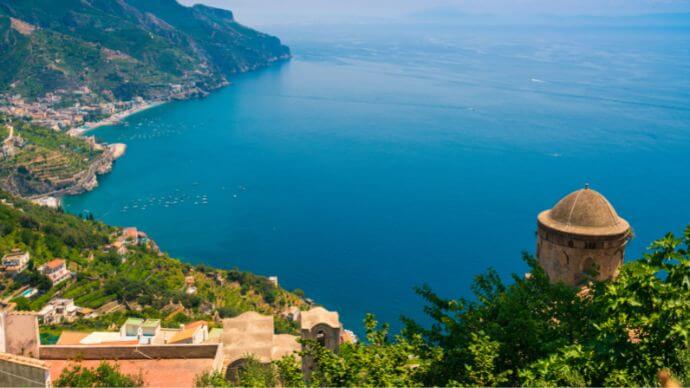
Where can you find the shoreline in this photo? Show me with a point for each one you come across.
(114, 119)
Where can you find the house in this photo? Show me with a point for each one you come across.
(58, 310)
(16, 261)
(145, 331)
(130, 235)
(56, 270)
(191, 333)
(273, 280)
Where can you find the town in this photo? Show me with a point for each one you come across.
(81, 109)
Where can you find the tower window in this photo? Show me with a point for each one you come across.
(590, 245)
(571, 243)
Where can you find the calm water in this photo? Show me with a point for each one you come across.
(383, 159)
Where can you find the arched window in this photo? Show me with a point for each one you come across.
(321, 337)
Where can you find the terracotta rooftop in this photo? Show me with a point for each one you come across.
(187, 332)
(71, 337)
(55, 263)
(584, 212)
(317, 315)
(156, 373)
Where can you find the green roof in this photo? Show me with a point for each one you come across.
(134, 321)
(151, 323)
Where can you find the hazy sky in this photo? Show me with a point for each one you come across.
(265, 12)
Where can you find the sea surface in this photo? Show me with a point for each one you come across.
(381, 158)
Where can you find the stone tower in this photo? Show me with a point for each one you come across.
(582, 237)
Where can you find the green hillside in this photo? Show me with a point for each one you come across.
(43, 160)
(126, 48)
(152, 282)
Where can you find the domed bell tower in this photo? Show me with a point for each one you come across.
(581, 238)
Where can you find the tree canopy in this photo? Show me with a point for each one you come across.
(621, 332)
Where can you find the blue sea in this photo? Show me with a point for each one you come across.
(384, 157)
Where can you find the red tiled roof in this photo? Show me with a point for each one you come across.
(156, 373)
(55, 263)
(187, 332)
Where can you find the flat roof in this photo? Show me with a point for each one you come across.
(134, 321)
(151, 323)
(175, 372)
(71, 337)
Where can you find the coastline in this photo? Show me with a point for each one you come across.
(114, 119)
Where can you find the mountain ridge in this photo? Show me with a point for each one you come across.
(126, 48)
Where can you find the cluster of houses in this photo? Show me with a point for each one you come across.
(16, 261)
(138, 331)
(162, 356)
(48, 112)
(129, 237)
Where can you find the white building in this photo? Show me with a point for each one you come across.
(16, 261)
(57, 310)
(56, 270)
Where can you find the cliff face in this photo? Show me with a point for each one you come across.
(124, 48)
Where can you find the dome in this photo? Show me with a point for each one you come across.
(584, 212)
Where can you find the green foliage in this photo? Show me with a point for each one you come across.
(23, 304)
(482, 370)
(46, 161)
(105, 375)
(289, 372)
(285, 326)
(285, 372)
(255, 374)
(130, 49)
(211, 379)
(622, 332)
(381, 362)
(619, 332)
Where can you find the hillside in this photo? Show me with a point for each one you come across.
(117, 282)
(38, 160)
(124, 48)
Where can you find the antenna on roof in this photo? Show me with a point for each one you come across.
(586, 186)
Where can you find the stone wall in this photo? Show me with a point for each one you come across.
(567, 258)
(16, 374)
(128, 352)
(20, 333)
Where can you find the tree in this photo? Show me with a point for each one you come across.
(619, 332)
(211, 379)
(380, 362)
(105, 375)
(23, 304)
(289, 372)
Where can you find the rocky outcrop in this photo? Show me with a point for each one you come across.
(26, 185)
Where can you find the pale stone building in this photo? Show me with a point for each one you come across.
(19, 371)
(581, 238)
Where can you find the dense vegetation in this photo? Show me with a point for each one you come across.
(140, 283)
(632, 331)
(42, 159)
(126, 48)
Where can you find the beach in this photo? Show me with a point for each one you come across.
(115, 118)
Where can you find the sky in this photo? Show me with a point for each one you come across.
(282, 12)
